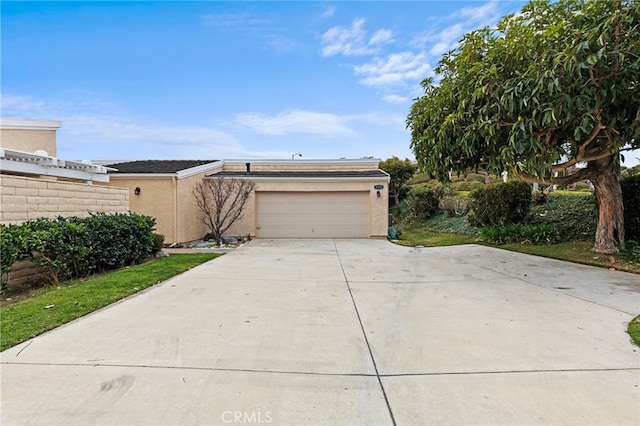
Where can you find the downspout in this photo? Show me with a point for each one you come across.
(175, 210)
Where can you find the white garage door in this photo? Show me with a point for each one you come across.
(312, 214)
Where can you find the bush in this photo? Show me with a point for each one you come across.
(13, 240)
(423, 201)
(575, 217)
(120, 239)
(501, 203)
(631, 198)
(158, 243)
(466, 185)
(454, 205)
(73, 247)
(518, 233)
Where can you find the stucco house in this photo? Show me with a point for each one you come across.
(346, 198)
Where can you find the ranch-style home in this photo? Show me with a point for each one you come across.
(346, 198)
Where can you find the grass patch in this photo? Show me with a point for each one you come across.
(50, 307)
(634, 330)
(413, 235)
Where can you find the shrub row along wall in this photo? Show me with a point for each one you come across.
(77, 247)
(24, 198)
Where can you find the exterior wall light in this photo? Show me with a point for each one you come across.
(137, 190)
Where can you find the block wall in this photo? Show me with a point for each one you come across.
(23, 198)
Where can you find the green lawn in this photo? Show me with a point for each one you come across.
(50, 307)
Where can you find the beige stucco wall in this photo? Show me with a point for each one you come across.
(378, 206)
(24, 198)
(170, 201)
(29, 135)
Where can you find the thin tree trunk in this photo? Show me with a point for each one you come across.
(606, 181)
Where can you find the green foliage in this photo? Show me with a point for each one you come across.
(501, 203)
(454, 205)
(400, 171)
(423, 202)
(119, 239)
(574, 216)
(158, 243)
(449, 224)
(466, 185)
(631, 197)
(634, 330)
(13, 242)
(73, 247)
(519, 233)
(556, 81)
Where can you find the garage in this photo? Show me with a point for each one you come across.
(312, 214)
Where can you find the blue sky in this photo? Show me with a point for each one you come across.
(212, 80)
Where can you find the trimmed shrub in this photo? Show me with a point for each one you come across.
(158, 243)
(575, 217)
(501, 203)
(466, 185)
(631, 198)
(423, 201)
(13, 241)
(73, 247)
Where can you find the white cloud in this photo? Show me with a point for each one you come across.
(487, 14)
(354, 40)
(294, 121)
(465, 21)
(328, 12)
(395, 69)
(396, 99)
(381, 37)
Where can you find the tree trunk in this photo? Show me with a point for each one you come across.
(396, 195)
(605, 177)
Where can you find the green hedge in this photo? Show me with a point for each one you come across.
(500, 203)
(73, 247)
(631, 196)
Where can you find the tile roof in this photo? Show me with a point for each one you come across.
(157, 166)
(304, 174)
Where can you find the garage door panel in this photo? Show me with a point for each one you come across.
(312, 214)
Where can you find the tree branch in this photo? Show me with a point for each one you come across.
(578, 176)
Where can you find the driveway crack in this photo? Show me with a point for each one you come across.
(364, 334)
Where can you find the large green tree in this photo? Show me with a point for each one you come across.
(400, 171)
(555, 86)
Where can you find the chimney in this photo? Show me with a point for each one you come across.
(248, 168)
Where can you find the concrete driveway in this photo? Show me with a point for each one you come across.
(344, 332)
